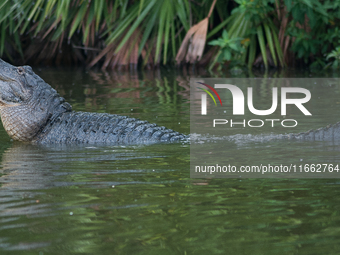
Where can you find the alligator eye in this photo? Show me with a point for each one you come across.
(20, 70)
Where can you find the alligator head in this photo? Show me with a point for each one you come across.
(27, 103)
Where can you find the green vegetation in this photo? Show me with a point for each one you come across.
(125, 33)
(336, 55)
(228, 46)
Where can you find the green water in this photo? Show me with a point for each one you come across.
(140, 199)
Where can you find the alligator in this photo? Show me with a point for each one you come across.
(32, 111)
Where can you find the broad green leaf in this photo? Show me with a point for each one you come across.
(234, 46)
(225, 35)
(335, 64)
(227, 54)
(215, 42)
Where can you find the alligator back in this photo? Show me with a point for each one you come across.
(96, 128)
(328, 133)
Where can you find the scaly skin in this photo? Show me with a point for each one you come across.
(329, 133)
(97, 128)
(32, 111)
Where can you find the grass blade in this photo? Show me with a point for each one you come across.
(252, 51)
(277, 45)
(270, 42)
(260, 38)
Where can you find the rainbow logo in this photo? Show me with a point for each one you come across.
(213, 90)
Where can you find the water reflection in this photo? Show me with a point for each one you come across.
(22, 168)
(34, 167)
(73, 184)
(139, 199)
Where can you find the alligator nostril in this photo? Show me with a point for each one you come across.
(21, 70)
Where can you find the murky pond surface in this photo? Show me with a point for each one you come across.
(140, 199)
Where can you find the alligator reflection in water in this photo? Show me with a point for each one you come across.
(33, 167)
(22, 168)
